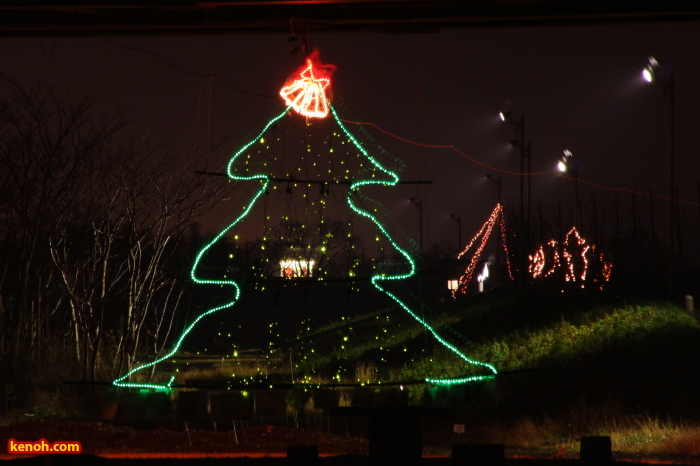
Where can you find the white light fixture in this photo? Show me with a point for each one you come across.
(483, 276)
(650, 71)
(563, 163)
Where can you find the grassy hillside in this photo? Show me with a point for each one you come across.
(569, 367)
(580, 364)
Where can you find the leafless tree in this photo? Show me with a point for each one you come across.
(48, 147)
(161, 202)
(93, 223)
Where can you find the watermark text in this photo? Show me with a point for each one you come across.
(18, 447)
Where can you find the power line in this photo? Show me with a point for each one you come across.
(478, 162)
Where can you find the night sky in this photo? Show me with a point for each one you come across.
(579, 87)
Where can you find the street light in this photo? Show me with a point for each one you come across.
(419, 204)
(565, 165)
(565, 160)
(562, 164)
(651, 70)
(525, 152)
(652, 74)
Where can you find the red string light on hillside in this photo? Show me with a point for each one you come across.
(307, 90)
(484, 233)
(575, 245)
(577, 256)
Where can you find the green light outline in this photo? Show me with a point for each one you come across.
(376, 279)
(382, 277)
(265, 181)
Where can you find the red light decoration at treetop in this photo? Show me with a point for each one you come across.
(578, 256)
(306, 90)
(484, 233)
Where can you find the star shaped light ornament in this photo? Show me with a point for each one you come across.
(308, 89)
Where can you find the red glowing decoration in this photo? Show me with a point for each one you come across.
(545, 257)
(578, 258)
(484, 233)
(307, 89)
(575, 247)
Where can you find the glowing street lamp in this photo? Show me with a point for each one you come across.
(525, 153)
(564, 160)
(565, 165)
(649, 73)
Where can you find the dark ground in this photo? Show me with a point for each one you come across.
(260, 445)
(343, 460)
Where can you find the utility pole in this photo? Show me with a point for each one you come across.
(651, 74)
(523, 229)
(458, 220)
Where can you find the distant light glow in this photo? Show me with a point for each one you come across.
(503, 116)
(290, 268)
(484, 273)
(563, 164)
(650, 71)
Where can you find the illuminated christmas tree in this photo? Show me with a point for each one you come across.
(307, 149)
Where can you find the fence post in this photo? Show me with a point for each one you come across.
(303, 455)
(478, 455)
(596, 450)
